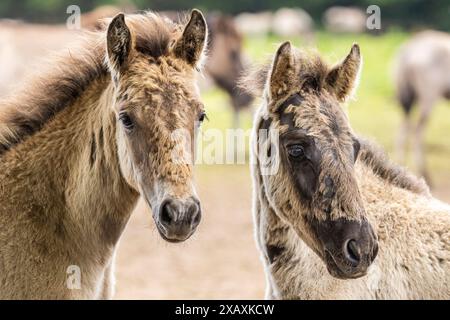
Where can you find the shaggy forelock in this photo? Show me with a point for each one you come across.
(311, 71)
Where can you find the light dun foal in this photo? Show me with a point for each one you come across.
(84, 141)
(337, 220)
(422, 75)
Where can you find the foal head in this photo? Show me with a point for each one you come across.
(315, 190)
(153, 63)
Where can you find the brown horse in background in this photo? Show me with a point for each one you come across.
(226, 62)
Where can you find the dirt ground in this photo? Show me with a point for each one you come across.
(219, 262)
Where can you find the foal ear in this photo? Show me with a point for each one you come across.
(343, 78)
(192, 43)
(118, 41)
(281, 75)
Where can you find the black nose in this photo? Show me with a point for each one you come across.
(179, 218)
(350, 247)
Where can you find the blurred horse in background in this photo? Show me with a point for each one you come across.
(22, 43)
(422, 75)
(226, 62)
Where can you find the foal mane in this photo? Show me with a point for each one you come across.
(376, 159)
(71, 72)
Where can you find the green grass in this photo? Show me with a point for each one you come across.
(375, 112)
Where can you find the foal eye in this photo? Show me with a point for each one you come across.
(126, 120)
(202, 117)
(296, 151)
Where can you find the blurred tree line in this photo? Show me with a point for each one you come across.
(405, 13)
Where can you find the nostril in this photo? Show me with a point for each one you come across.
(195, 214)
(166, 215)
(352, 251)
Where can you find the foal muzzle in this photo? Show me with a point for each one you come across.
(177, 220)
(349, 247)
